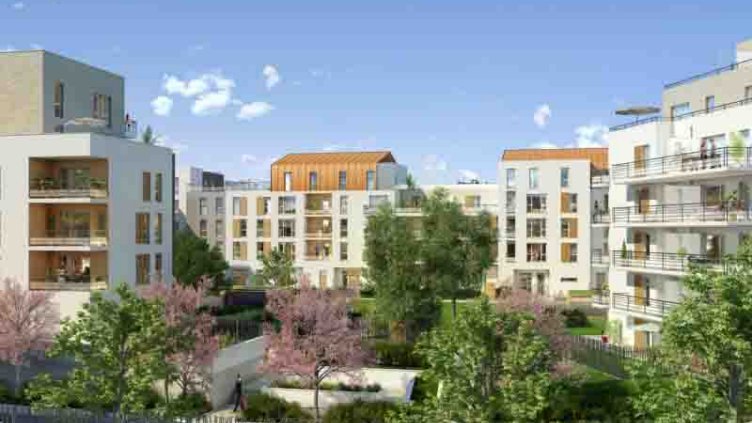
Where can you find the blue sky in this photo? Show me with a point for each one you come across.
(445, 85)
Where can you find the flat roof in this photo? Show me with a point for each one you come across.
(598, 157)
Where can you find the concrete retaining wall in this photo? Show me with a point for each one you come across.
(242, 358)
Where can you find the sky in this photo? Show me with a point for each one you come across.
(446, 86)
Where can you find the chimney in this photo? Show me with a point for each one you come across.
(744, 50)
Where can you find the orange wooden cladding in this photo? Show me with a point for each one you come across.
(598, 157)
(327, 167)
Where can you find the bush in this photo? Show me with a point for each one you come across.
(260, 407)
(575, 318)
(424, 389)
(359, 412)
(189, 405)
(326, 386)
(606, 400)
(396, 354)
(368, 291)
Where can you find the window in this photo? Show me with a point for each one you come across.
(511, 204)
(536, 228)
(511, 226)
(680, 109)
(158, 266)
(219, 206)
(569, 228)
(142, 269)
(343, 228)
(286, 205)
(288, 181)
(313, 181)
(219, 229)
(709, 103)
(263, 206)
(239, 228)
(342, 180)
(568, 203)
(286, 228)
(260, 250)
(511, 178)
(472, 201)
(533, 178)
(375, 201)
(568, 252)
(202, 228)
(748, 92)
(370, 180)
(564, 177)
(261, 229)
(142, 228)
(158, 229)
(239, 206)
(146, 186)
(511, 250)
(158, 188)
(203, 206)
(536, 252)
(102, 108)
(536, 203)
(288, 248)
(239, 250)
(343, 200)
(59, 101)
(343, 251)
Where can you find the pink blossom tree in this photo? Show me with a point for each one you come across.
(191, 345)
(28, 322)
(547, 320)
(316, 338)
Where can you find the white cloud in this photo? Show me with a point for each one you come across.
(211, 102)
(174, 85)
(19, 5)
(212, 91)
(545, 145)
(432, 163)
(272, 76)
(469, 175)
(162, 105)
(542, 115)
(165, 141)
(249, 159)
(593, 135)
(254, 110)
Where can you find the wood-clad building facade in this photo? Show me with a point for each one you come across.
(338, 171)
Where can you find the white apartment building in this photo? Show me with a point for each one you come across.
(553, 228)
(82, 208)
(679, 195)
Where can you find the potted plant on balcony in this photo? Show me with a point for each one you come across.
(736, 148)
(624, 249)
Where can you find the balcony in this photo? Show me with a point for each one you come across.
(57, 188)
(70, 238)
(684, 214)
(601, 217)
(601, 298)
(320, 234)
(131, 129)
(318, 204)
(642, 305)
(66, 282)
(664, 262)
(599, 179)
(725, 161)
(510, 208)
(598, 258)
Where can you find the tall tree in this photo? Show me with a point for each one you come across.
(315, 339)
(148, 136)
(116, 344)
(456, 249)
(195, 260)
(706, 347)
(190, 345)
(402, 294)
(28, 321)
(277, 269)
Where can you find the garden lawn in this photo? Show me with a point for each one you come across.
(367, 306)
(596, 326)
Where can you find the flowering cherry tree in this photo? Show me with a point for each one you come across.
(547, 320)
(28, 322)
(316, 337)
(191, 346)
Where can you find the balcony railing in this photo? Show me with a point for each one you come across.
(685, 163)
(70, 238)
(69, 282)
(687, 212)
(601, 217)
(318, 210)
(671, 262)
(319, 234)
(699, 112)
(713, 72)
(600, 179)
(601, 297)
(642, 305)
(131, 129)
(316, 257)
(598, 257)
(55, 188)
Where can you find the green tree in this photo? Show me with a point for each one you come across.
(148, 136)
(402, 295)
(706, 349)
(194, 259)
(117, 347)
(456, 249)
(277, 269)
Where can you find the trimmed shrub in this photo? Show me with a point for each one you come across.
(359, 412)
(575, 318)
(189, 405)
(260, 407)
(396, 354)
(424, 389)
(326, 386)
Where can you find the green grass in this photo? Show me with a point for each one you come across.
(597, 324)
(580, 293)
(367, 306)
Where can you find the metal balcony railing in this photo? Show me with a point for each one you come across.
(68, 282)
(642, 305)
(601, 297)
(685, 163)
(710, 73)
(56, 188)
(699, 112)
(687, 212)
(600, 179)
(319, 234)
(598, 257)
(663, 261)
(601, 216)
(73, 237)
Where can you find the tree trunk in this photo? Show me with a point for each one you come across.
(167, 389)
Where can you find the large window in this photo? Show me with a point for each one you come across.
(709, 103)
(240, 206)
(219, 229)
(146, 186)
(536, 252)
(286, 205)
(511, 178)
(536, 203)
(533, 178)
(569, 252)
(288, 181)
(102, 108)
(158, 229)
(142, 269)
(313, 181)
(536, 228)
(239, 250)
(569, 228)
(343, 228)
(680, 109)
(472, 201)
(239, 228)
(262, 228)
(59, 100)
(219, 206)
(568, 203)
(511, 250)
(142, 228)
(564, 177)
(370, 180)
(203, 230)
(342, 180)
(343, 204)
(511, 203)
(343, 253)
(511, 226)
(158, 187)
(203, 206)
(158, 266)
(286, 228)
